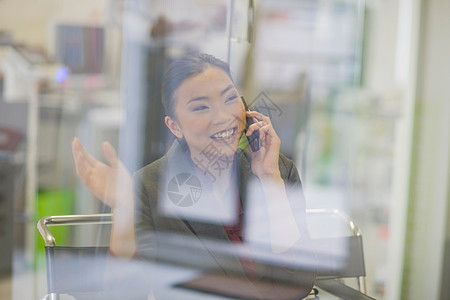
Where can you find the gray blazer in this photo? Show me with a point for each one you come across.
(151, 183)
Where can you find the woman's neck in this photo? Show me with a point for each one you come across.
(218, 169)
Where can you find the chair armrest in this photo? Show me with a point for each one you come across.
(45, 222)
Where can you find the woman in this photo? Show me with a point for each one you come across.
(207, 116)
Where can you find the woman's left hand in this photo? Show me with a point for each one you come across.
(265, 161)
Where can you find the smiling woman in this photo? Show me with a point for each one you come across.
(208, 110)
(200, 187)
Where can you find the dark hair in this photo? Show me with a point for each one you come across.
(183, 68)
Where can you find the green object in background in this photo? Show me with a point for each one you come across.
(52, 203)
(243, 142)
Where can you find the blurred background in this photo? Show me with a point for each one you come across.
(357, 91)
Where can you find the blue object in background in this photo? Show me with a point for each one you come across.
(62, 74)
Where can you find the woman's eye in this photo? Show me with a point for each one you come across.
(200, 107)
(231, 98)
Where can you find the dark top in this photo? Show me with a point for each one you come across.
(154, 184)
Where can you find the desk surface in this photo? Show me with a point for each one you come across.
(165, 277)
(129, 279)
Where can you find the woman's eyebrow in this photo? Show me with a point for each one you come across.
(226, 89)
(206, 98)
(197, 99)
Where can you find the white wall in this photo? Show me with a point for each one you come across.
(380, 47)
(422, 175)
(428, 198)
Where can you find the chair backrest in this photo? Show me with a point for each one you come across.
(73, 270)
(346, 239)
(339, 245)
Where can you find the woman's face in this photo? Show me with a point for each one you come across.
(209, 114)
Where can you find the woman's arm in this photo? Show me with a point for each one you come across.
(110, 183)
(284, 232)
(283, 227)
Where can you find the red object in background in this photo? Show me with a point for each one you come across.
(383, 232)
(9, 139)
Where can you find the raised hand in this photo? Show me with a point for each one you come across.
(265, 161)
(111, 183)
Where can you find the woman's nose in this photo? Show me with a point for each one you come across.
(222, 115)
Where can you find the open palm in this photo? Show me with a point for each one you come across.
(111, 183)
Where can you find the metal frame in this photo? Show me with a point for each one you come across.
(361, 280)
(45, 222)
(43, 227)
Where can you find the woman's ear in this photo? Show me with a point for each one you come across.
(173, 127)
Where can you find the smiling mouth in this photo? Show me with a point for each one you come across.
(224, 134)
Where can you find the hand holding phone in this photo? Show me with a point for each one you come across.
(253, 140)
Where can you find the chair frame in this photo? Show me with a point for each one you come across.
(98, 219)
(50, 243)
(361, 280)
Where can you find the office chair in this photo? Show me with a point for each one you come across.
(61, 261)
(92, 260)
(340, 254)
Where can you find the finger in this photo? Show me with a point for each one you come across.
(262, 135)
(110, 154)
(81, 164)
(82, 167)
(267, 129)
(268, 132)
(79, 148)
(255, 126)
(76, 148)
(75, 152)
(258, 116)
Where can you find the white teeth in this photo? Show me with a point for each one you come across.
(223, 134)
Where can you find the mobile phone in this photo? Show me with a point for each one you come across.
(253, 140)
